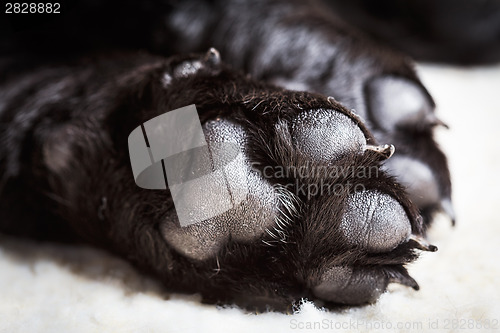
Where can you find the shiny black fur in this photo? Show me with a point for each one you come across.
(67, 172)
(66, 114)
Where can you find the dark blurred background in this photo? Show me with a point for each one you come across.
(459, 31)
(453, 31)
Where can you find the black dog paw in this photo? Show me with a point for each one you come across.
(401, 111)
(318, 217)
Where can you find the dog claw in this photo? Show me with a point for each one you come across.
(213, 56)
(432, 120)
(422, 244)
(406, 281)
(386, 151)
(447, 208)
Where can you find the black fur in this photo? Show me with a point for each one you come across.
(66, 173)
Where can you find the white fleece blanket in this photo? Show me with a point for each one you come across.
(54, 288)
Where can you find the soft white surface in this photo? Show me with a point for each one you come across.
(51, 288)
